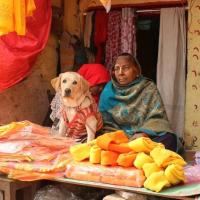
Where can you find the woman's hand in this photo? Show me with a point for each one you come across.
(138, 135)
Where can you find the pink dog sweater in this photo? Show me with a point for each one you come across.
(76, 128)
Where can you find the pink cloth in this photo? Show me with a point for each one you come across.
(128, 31)
(113, 38)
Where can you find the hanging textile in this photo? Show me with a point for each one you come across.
(171, 65)
(18, 53)
(113, 37)
(13, 15)
(100, 34)
(128, 31)
(88, 29)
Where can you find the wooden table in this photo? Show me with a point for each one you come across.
(9, 188)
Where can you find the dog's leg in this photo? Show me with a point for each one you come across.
(62, 128)
(91, 127)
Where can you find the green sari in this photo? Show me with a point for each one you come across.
(134, 108)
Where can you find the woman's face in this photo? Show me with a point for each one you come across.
(125, 71)
(97, 89)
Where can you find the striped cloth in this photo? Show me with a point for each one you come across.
(76, 127)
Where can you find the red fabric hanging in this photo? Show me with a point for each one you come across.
(100, 34)
(18, 53)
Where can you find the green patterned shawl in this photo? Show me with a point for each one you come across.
(134, 108)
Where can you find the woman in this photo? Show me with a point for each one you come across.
(97, 76)
(132, 103)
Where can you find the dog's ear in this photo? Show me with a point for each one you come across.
(55, 82)
(84, 85)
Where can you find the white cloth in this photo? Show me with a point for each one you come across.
(171, 65)
(56, 107)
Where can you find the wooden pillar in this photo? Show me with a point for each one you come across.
(192, 112)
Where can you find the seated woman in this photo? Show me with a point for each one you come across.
(132, 103)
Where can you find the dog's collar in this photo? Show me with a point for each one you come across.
(77, 108)
(71, 103)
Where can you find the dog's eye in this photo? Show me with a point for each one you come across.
(64, 81)
(74, 82)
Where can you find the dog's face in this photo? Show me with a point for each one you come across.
(71, 85)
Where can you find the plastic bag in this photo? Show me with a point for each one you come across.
(192, 173)
(197, 157)
(51, 192)
(28, 152)
(84, 192)
(113, 175)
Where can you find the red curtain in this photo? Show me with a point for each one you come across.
(18, 53)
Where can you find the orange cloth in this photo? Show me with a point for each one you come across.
(120, 148)
(126, 159)
(141, 159)
(164, 157)
(175, 174)
(95, 155)
(156, 181)
(13, 15)
(11, 128)
(25, 154)
(144, 144)
(23, 175)
(150, 168)
(109, 158)
(80, 152)
(6, 17)
(116, 137)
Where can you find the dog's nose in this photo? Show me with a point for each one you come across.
(67, 92)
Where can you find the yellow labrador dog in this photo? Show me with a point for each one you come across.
(80, 118)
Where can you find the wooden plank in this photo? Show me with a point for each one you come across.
(10, 186)
(93, 4)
